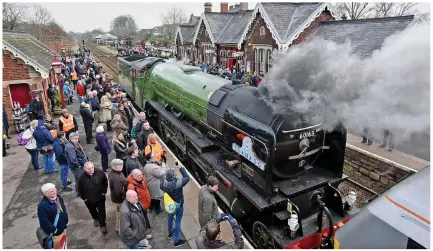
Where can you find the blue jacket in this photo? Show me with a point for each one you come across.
(74, 157)
(174, 188)
(42, 135)
(59, 150)
(66, 90)
(102, 141)
(47, 211)
(94, 104)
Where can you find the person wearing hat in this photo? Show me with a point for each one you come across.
(173, 186)
(67, 123)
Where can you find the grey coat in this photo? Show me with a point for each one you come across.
(207, 206)
(132, 223)
(154, 173)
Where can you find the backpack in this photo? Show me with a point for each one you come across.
(21, 141)
(133, 132)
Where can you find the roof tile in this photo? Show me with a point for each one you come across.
(365, 35)
(34, 49)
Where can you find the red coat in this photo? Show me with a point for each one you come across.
(81, 90)
(259, 82)
(141, 189)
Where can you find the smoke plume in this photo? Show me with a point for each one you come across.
(329, 83)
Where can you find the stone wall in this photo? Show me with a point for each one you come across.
(372, 171)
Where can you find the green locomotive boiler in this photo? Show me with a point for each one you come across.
(269, 165)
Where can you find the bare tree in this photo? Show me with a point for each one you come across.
(172, 19)
(354, 10)
(40, 20)
(422, 18)
(390, 9)
(13, 15)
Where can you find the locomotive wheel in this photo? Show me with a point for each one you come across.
(262, 237)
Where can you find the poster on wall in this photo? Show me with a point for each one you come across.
(248, 66)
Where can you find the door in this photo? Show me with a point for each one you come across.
(20, 93)
(230, 63)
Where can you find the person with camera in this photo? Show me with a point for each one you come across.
(173, 186)
(208, 238)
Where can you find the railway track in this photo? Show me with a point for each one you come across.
(364, 195)
(108, 60)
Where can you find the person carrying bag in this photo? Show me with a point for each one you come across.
(46, 240)
(52, 204)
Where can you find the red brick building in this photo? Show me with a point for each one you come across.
(277, 26)
(220, 35)
(185, 34)
(26, 69)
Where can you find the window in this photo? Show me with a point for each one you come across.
(255, 60)
(262, 60)
(268, 60)
(262, 31)
(205, 33)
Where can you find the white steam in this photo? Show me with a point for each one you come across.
(329, 83)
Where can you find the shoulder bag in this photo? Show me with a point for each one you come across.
(46, 240)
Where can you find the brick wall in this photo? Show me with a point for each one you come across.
(253, 37)
(324, 16)
(14, 68)
(371, 171)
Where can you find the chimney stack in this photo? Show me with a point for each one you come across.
(224, 7)
(244, 5)
(207, 7)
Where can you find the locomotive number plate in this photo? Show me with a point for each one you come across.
(307, 134)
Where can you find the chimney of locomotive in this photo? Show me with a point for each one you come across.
(207, 7)
(244, 5)
(224, 7)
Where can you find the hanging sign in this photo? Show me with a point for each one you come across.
(246, 150)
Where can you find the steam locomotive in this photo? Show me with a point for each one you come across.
(278, 174)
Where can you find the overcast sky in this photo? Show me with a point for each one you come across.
(89, 16)
(94, 15)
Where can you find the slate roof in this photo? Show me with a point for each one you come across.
(229, 27)
(365, 35)
(30, 50)
(188, 30)
(285, 19)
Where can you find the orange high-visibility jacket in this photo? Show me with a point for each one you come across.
(68, 123)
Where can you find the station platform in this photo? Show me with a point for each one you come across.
(21, 193)
(396, 156)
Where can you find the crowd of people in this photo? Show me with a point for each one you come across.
(138, 178)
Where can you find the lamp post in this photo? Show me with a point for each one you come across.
(57, 67)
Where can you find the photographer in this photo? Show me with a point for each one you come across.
(208, 236)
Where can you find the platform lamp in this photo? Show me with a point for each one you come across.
(57, 67)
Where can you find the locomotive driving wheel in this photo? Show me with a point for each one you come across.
(262, 237)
